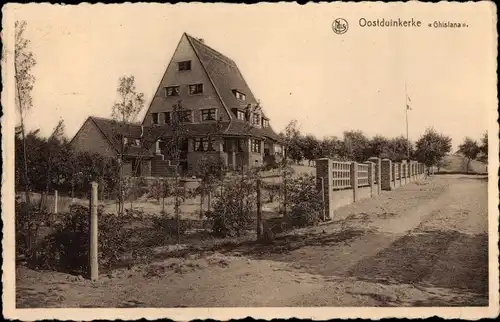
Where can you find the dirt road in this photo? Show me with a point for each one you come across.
(424, 244)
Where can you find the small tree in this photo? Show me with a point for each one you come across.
(160, 190)
(210, 171)
(484, 148)
(357, 145)
(470, 150)
(24, 62)
(432, 147)
(125, 111)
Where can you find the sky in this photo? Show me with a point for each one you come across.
(289, 55)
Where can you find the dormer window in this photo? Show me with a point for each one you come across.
(239, 95)
(172, 91)
(265, 122)
(208, 114)
(256, 119)
(240, 115)
(184, 65)
(195, 89)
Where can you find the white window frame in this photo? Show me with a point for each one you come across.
(173, 86)
(198, 84)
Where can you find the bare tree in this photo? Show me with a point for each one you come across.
(125, 111)
(24, 61)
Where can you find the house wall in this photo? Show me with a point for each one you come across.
(174, 77)
(90, 139)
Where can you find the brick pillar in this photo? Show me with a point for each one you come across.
(393, 174)
(410, 171)
(377, 173)
(400, 165)
(386, 174)
(354, 180)
(405, 172)
(324, 182)
(371, 178)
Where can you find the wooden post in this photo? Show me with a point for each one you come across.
(259, 211)
(55, 201)
(94, 265)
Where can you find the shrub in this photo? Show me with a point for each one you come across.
(273, 190)
(233, 208)
(165, 226)
(304, 201)
(66, 246)
(29, 221)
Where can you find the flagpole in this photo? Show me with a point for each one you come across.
(407, 137)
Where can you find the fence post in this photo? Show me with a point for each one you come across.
(55, 201)
(94, 264)
(371, 177)
(386, 174)
(378, 176)
(354, 180)
(324, 183)
(259, 211)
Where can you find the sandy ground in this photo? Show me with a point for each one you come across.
(424, 244)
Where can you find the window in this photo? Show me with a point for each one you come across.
(203, 145)
(166, 117)
(265, 122)
(184, 65)
(154, 117)
(240, 115)
(125, 141)
(240, 96)
(137, 142)
(195, 89)
(208, 114)
(241, 144)
(256, 119)
(172, 90)
(255, 146)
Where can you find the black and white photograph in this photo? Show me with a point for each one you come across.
(274, 160)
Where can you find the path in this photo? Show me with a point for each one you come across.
(424, 244)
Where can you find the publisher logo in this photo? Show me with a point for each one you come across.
(340, 26)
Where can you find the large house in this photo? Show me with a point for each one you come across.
(221, 118)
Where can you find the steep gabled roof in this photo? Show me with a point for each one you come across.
(111, 131)
(226, 77)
